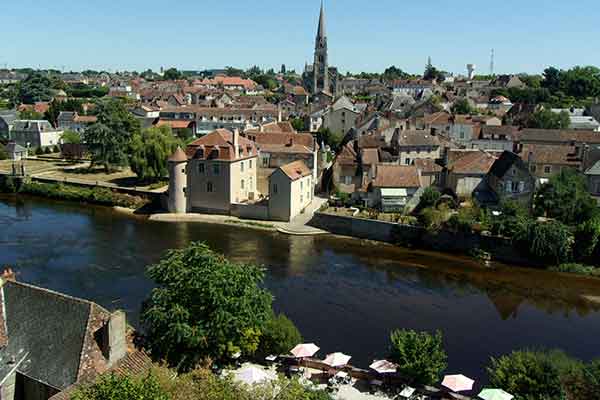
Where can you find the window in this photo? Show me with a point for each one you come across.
(250, 164)
(508, 186)
(250, 184)
(515, 187)
(216, 169)
(548, 169)
(533, 168)
(242, 166)
(301, 199)
(209, 187)
(242, 184)
(301, 185)
(201, 168)
(407, 161)
(265, 162)
(348, 180)
(274, 188)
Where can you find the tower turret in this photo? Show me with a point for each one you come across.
(177, 182)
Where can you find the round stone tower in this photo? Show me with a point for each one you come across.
(177, 182)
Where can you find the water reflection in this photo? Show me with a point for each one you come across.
(343, 294)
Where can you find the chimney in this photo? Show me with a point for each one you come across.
(236, 142)
(116, 337)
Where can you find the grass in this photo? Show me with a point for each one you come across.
(578, 269)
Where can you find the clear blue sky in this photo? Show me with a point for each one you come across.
(527, 35)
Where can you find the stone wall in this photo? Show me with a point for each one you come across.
(500, 248)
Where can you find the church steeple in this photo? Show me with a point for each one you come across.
(321, 33)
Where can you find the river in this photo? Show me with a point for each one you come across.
(343, 294)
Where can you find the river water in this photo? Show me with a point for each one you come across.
(343, 294)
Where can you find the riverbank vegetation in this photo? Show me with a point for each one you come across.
(59, 191)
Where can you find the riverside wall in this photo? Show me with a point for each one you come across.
(500, 248)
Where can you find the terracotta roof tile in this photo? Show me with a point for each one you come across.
(218, 145)
(397, 176)
(472, 162)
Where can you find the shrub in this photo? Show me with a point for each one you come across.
(433, 218)
(39, 151)
(531, 374)
(586, 240)
(548, 242)
(420, 355)
(578, 269)
(3, 153)
(47, 150)
(113, 387)
(8, 185)
(429, 198)
(279, 336)
(56, 149)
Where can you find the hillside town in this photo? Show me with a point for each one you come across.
(496, 167)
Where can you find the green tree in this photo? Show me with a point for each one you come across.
(332, 139)
(513, 219)
(172, 74)
(548, 242)
(36, 87)
(71, 137)
(531, 375)
(279, 336)
(57, 106)
(420, 355)
(149, 150)
(108, 139)
(266, 81)
(298, 124)
(429, 198)
(582, 382)
(462, 106)
(394, 73)
(204, 306)
(546, 119)
(566, 198)
(114, 387)
(30, 115)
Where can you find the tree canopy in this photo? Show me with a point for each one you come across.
(462, 106)
(420, 355)
(149, 150)
(566, 198)
(70, 137)
(108, 139)
(393, 73)
(204, 306)
(172, 74)
(547, 119)
(37, 87)
(113, 387)
(57, 106)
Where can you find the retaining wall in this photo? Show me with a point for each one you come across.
(500, 248)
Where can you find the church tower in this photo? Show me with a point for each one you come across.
(321, 65)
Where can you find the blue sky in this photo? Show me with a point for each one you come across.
(527, 35)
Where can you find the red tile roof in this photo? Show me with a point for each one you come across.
(218, 145)
(229, 81)
(472, 162)
(175, 124)
(296, 170)
(397, 176)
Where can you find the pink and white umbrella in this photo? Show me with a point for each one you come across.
(458, 383)
(383, 367)
(305, 350)
(337, 359)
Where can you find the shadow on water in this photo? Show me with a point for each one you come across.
(344, 294)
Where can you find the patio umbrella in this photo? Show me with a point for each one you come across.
(458, 383)
(252, 375)
(305, 350)
(407, 392)
(337, 359)
(383, 367)
(495, 394)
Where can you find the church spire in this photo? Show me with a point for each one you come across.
(321, 34)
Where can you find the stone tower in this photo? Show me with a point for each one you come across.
(177, 182)
(321, 65)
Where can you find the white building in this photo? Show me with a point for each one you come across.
(35, 133)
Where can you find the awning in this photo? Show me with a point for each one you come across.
(394, 192)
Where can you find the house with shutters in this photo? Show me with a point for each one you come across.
(509, 178)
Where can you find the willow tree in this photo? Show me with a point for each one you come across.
(149, 150)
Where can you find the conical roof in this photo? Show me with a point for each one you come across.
(178, 156)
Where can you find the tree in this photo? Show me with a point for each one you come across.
(204, 306)
(547, 119)
(530, 374)
(420, 355)
(3, 153)
(513, 219)
(30, 115)
(36, 87)
(582, 382)
(71, 137)
(298, 124)
(266, 81)
(172, 74)
(429, 198)
(108, 139)
(332, 139)
(548, 242)
(113, 387)
(462, 106)
(566, 198)
(279, 336)
(149, 150)
(432, 73)
(394, 73)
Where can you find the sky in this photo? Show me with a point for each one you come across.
(526, 35)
